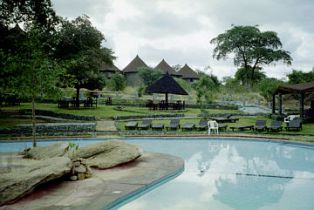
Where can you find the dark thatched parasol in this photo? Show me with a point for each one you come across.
(166, 85)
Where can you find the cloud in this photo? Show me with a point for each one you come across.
(180, 30)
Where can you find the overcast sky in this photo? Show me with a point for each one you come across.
(180, 30)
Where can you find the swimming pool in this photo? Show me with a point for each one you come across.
(228, 174)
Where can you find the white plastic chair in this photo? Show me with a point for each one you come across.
(212, 125)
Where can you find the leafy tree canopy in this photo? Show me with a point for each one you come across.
(117, 82)
(267, 86)
(297, 76)
(149, 75)
(80, 44)
(31, 12)
(244, 76)
(251, 47)
(205, 88)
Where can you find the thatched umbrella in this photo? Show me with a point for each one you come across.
(166, 85)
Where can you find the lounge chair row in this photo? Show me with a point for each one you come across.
(275, 126)
(173, 125)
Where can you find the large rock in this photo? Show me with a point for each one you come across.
(108, 154)
(21, 181)
(58, 149)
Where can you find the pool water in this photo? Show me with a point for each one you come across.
(227, 174)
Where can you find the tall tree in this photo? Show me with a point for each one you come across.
(32, 72)
(251, 48)
(80, 44)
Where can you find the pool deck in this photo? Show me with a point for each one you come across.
(106, 188)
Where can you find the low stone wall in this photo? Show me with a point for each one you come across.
(51, 129)
(58, 115)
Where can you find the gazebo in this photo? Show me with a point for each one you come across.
(166, 85)
(299, 89)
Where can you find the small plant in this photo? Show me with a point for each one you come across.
(73, 148)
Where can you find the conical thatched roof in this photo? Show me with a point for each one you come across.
(166, 84)
(166, 68)
(188, 73)
(109, 68)
(134, 65)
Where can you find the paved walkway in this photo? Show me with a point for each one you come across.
(105, 187)
(105, 126)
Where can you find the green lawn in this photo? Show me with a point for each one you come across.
(105, 111)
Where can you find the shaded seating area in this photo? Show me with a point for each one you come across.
(166, 85)
(89, 102)
(9, 99)
(301, 91)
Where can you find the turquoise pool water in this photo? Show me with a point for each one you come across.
(227, 174)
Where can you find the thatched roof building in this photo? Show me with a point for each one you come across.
(134, 65)
(166, 68)
(188, 73)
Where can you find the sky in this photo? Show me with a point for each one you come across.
(180, 31)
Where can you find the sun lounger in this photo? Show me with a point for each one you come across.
(131, 125)
(228, 118)
(174, 124)
(157, 126)
(202, 125)
(275, 126)
(260, 125)
(242, 127)
(222, 126)
(295, 124)
(188, 126)
(146, 124)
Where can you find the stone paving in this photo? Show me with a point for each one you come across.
(105, 187)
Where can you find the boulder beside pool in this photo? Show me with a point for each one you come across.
(58, 149)
(21, 181)
(108, 154)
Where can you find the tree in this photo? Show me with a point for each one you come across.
(297, 77)
(32, 72)
(80, 44)
(251, 48)
(244, 76)
(267, 86)
(205, 88)
(149, 75)
(117, 82)
(29, 12)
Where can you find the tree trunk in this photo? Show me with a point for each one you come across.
(78, 97)
(33, 121)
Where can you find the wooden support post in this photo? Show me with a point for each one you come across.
(274, 104)
(280, 104)
(301, 105)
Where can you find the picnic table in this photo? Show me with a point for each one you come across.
(71, 102)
